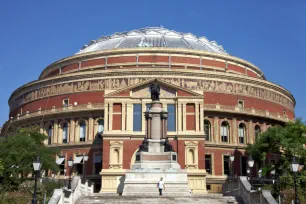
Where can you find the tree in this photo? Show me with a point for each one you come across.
(287, 141)
(19, 149)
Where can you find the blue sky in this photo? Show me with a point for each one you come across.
(270, 34)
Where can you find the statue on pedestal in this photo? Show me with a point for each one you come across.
(144, 146)
(155, 91)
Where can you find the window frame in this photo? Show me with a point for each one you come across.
(242, 138)
(222, 131)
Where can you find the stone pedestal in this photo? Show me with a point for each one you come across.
(155, 162)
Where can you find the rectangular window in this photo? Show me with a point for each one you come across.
(98, 163)
(62, 169)
(65, 102)
(208, 164)
(137, 116)
(240, 104)
(171, 117)
(226, 165)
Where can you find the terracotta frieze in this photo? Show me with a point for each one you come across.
(119, 83)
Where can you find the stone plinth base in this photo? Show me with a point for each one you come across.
(158, 160)
(144, 182)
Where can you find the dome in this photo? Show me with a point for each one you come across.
(152, 37)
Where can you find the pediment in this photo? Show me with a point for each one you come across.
(142, 90)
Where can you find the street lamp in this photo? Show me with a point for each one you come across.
(248, 173)
(295, 168)
(260, 178)
(36, 166)
(85, 159)
(251, 164)
(70, 164)
(273, 174)
(232, 158)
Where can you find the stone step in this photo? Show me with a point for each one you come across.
(194, 199)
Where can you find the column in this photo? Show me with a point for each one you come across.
(77, 132)
(216, 129)
(184, 116)
(72, 130)
(110, 116)
(42, 131)
(251, 135)
(129, 107)
(60, 135)
(201, 118)
(123, 116)
(179, 117)
(90, 128)
(234, 135)
(197, 115)
(55, 132)
(106, 117)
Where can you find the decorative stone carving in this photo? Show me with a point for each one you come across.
(205, 85)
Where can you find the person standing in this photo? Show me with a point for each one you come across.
(161, 186)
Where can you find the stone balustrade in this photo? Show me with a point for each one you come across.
(241, 189)
(246, 111)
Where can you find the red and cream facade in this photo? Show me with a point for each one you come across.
(87, 88)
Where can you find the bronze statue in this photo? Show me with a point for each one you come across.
(155, 91)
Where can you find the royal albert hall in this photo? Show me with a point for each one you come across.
(93, 103)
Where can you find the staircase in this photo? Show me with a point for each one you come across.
(194, 199)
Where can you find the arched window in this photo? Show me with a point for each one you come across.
(257, 131)
(82, 131)
(224, 131)
(65, 132)
(241, 133)
(207, 130)
(50, 132)
(100, 126)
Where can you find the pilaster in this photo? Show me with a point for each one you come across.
(216, 129)
(60, 135)
(72, 130)
(77, 132)
(55, 132)
(106, 117)
(143, 121)
(184, 116)
(251, 135)
(110, 116)
(129, 107)
(90, 128)
(179, 117)
(201, 118)
(124, 118)
(197, 115)
(235, 134)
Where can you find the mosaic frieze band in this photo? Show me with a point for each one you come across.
(119, 83)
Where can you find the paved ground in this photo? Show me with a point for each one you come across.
(194, 199)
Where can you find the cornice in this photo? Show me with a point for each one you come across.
(114, 52)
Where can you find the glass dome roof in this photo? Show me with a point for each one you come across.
(152, 37)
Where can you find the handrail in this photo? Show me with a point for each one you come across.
(240, 187)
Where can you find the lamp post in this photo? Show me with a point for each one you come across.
(295, 168)
(248, 173)
(70, 164)
(273, 174)
(36, 166)
(251, 164)
(232, 158)
(85, 159)
(260, 178)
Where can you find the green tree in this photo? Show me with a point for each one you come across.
(287, 141)
(19, 149)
